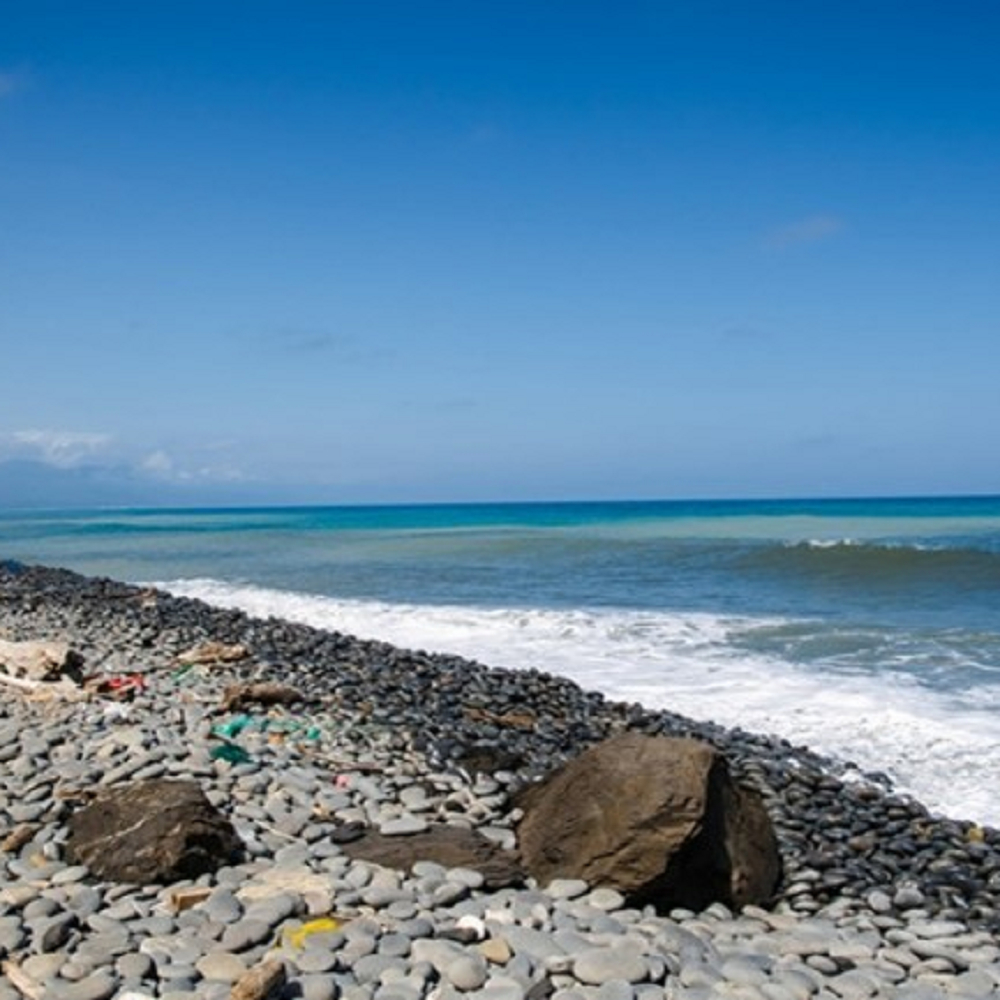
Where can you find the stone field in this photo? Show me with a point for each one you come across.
(878, 898)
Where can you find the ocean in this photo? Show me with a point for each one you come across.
(867, 630)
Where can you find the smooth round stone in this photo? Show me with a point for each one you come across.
(16, 897)
(85, 901)
(274, 910)
(222, 906)
(12, 934)
(879, 901)
(606, 899)
(605, 924)
(416, 927)
(157, 926)
(399, 826)
(102, 946)
(743, 971)
(134, 966)
(394, 944)
(380, 896)
(617, 989)
(567, 888)
(41, 967)
(853, 985)
(909, 898)
(171, 951)
(316, 960)
(414, 798)
(449, 894)
(99, 986)
(398, 991)
(292, 856)
(40, 908)
(824, 964)
(371, 968)
(318, 987)
(467, 972)
(501, 988)
(932, 929)
(74, 873)
(429, 869)
(602, 965)
(466, 876)
(77, 969)
(245, 934)
(222, 966)
(52, 934)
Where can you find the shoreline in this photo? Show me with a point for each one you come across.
(859, 861)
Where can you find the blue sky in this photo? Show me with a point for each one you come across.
(350, 252)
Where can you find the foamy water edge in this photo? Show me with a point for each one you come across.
(944, 752)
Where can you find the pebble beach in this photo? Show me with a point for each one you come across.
(879, 898)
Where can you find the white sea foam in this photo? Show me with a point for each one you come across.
(939, 748)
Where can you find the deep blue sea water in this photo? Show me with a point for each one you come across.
(867, 629)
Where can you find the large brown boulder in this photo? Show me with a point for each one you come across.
(151, 832)
(657, 818)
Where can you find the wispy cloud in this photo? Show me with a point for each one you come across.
(63, 449)
(162, 466)
(811, 229)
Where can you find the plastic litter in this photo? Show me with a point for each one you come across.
(297, 937)
(122, 687)
(231, 753)
(116, 712)
(233, 727)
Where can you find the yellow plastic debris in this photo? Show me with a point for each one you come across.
(296, 938)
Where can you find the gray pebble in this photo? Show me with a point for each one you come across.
(467, 972)
(245, 934)
(223, 966)
(601, 965)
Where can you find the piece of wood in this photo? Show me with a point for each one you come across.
(261, 982)
(19, 836)
(214, 652)
(184, 899)
(21, 981)
(237, 696)
(41, 689)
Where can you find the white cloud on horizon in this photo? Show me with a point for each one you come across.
(62, 449)
(161, 465)
(68, 450)
(811, 229)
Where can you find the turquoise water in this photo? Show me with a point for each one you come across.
(869, 628)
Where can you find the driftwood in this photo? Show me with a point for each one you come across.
(260, 982)
(213, 652)
(19, 836)
(42, 660)
(21, 981)
(237, 696)
(42, 690)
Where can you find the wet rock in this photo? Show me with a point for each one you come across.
(657, 818)
(450, 846)
(157, 831)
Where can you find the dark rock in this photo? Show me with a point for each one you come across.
(155, 831)
(451, 846)
(489, 760)
(657, 818)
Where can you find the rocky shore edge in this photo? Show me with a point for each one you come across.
(879, 897)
